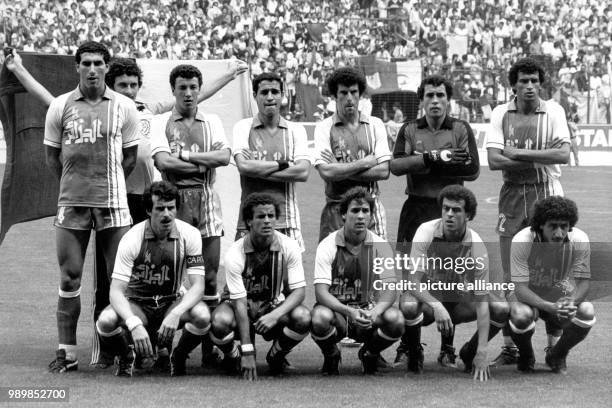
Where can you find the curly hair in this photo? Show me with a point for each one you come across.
(266, 76)
(255, 199)
(92, 47)
(526, 66)
(553, 208)
(122, 66)
(185, 71)
(164, 190)
(357, 194)
(457, 192)
(346, 76)
(435, 80)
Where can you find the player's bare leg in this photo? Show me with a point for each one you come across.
(412, 311)
(522, 327)
(296, 327)
(71, 248)
(222, 335)
(573, 333)
(197, 326)
(325, 334)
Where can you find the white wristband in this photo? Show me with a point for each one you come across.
(133, 322)
(247, 348)
(185, 155)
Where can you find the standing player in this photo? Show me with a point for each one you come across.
(345, 282)
(551, 268)
(437, 242)
(272, 155)
(187, 145)
(528, 140)
(434, 151)
(265, 280)
(351, 150)
(152, 260)
(91, 138)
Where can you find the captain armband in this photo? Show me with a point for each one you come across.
(194, 260)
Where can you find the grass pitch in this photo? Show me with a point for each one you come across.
(28, 335)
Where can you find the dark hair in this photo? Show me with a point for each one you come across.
(122, 66)
(553, 208)
(435, 80)
(255, 199)
(92, 47)
(358, 194)
(526, 66)
(457, 192)
(346, 76)
(185, 71)
(266, 76)
(164, 190)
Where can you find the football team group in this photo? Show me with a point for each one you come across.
(160, 275)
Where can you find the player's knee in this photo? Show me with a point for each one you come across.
(499, 311)
(108, 320)
(300, 319)
(222, 323)
(321, 320)
(410, 309)
(200, 316)
(585, 311)
(393, 322)
(70, 281)
(521, 315)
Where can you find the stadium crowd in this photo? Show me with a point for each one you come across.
(306, 40)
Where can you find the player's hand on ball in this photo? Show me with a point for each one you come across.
(142, 342)
(168, 328)
(248, 367)
(443, 320)
(480, 366)
(266, 322)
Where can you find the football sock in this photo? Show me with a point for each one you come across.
(68, 311)
(207, 346)
(116, 342)
(572, 335)
(190, 338)
(227, 344)
(507, 336)
(447, 341)
(522, 339)
(472, 347)
(327, 342)
(286, 341)
(412, 335)
(379, 341)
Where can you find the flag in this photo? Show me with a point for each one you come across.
(29, 189)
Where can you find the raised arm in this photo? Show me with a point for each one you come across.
(14, 64)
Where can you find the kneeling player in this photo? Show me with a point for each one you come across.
(344, 287)
(445, 251)
(265, 279)
(550, 263)
(144, 294)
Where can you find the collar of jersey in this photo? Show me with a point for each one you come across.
(177, 116)
(439, 233)
(341, 239)
(248, 244)
(363, 118)
(512, 107)
(446, 124)
(282, 123)
(150, 235)
(106, 95)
